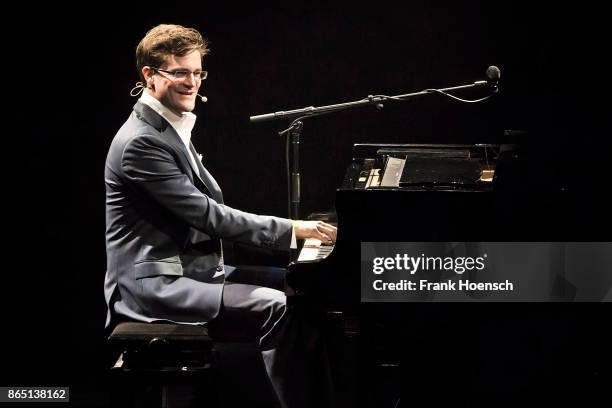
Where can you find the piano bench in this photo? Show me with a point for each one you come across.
(161, 364)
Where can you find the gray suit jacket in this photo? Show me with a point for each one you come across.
(164, 225)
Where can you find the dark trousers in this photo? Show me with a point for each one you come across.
(290, 339)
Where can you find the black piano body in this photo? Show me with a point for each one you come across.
(424, 345)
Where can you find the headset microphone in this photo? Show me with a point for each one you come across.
(203, 98)
(493, 73)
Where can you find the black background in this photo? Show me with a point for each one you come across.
(68, 73)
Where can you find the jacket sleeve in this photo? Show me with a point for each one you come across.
(148, 163)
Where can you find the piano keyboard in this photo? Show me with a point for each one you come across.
(314, 250)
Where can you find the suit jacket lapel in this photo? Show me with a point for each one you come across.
(148, 115)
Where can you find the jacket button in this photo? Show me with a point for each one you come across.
(219, 268)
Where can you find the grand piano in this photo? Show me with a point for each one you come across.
(384, 352)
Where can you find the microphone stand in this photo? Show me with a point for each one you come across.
(295, 129)
(295, 133)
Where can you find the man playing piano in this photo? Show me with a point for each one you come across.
(165, 219)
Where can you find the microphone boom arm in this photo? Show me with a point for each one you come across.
(370, 100)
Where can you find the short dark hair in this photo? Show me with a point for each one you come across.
(168, 39)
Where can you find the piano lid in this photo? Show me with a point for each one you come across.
(424, 165)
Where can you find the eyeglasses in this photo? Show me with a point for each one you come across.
(183, 73)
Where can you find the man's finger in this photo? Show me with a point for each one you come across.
(328, 230)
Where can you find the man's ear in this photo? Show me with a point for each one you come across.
(147, 74)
